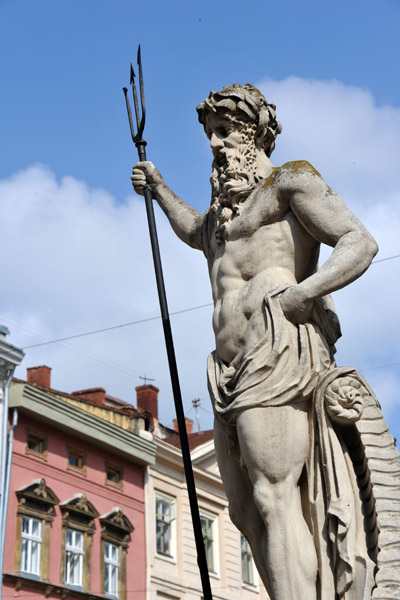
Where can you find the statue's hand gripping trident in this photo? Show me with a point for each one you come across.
(140, 144)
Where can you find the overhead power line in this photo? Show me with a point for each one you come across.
(178, 312)
(383, 259)
(78, 335)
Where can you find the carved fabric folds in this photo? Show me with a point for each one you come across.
(281, 369)
(345, 569)
(289, 364)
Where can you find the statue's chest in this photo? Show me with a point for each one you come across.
(261, 210)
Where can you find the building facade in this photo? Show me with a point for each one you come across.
(98, 506)
(171, 556)
(76, 511)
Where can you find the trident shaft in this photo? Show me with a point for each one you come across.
(140, 143)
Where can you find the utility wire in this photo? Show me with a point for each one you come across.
(178, 312)
(78, 335)
(383, 259)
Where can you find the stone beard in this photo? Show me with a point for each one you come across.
(234, 176)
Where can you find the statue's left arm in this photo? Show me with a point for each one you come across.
(327, 219)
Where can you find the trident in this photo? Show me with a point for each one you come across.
(140, 144)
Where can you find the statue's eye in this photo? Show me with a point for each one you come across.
(222, 132)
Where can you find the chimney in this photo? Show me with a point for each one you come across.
(95, 395)
(147, 398)
(189, 425)
(4, 332)
(40, 376)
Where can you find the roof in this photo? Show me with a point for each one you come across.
(112, 404)
(194, 439)
(51, 408)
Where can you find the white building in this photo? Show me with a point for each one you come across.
(172, 571)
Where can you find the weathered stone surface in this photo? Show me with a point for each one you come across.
(280, 402)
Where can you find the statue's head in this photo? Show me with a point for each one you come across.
(245, 106)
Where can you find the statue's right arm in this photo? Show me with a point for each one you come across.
(185, 220)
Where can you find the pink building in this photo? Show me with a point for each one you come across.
(76, 512)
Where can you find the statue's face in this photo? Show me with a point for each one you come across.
(226, 137)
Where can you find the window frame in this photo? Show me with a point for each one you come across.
(111, 565)
(171, 523)
(81, 458)
(214, 526)
(116, 530)
(119, 471)
(28, 542)
(35, 501)
(71, 551)
(78, 514)
(42, 439)
(246, 554)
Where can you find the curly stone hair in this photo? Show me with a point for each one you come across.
(244, 104)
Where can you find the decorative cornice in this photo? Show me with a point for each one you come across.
(19, 582)
(10, 357)
(64, 416)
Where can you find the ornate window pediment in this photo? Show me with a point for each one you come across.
(115, 524)
(37, 499)
(79, 512)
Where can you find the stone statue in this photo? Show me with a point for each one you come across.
(310, 471)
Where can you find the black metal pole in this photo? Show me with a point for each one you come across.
(187, 463)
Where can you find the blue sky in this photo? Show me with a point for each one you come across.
(74, 250)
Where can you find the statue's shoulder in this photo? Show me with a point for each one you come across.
(297, 168)
(296, 176)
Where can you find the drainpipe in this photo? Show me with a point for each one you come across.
(4, 425)
(6, 458)
(10, 357)
(3, 517)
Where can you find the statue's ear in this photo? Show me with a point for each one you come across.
(262, 128)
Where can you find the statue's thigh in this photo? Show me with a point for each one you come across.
(274, 441)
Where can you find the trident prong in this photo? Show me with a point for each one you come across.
(140, 120)
(148, 197)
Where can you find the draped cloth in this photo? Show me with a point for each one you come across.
(292, 363)
(283, 368)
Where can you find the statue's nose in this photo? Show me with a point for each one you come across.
(216, 142)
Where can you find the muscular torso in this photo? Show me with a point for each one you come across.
(266, 248)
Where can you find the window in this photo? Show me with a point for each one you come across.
(36, 444)
(247, 562)
(35, 514)
(111, 568)
(114, 475)
(78, 528)
(116, 530)
(208, 527)
(74, 557)
(30, 545)
(76, 460)
(165, 517)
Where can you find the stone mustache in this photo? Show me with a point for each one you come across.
(310, 471)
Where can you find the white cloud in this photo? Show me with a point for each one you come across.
(73, 259)
(77, 261)
(351, 141)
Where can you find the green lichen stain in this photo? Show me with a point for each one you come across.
(270, 179)
(300, 166)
